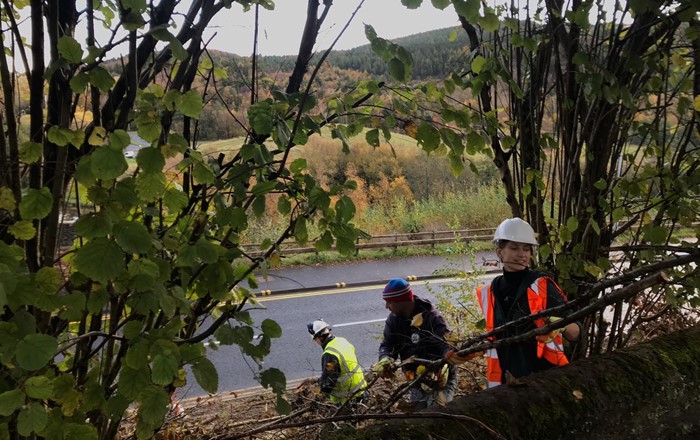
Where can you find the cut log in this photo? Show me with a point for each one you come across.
(649, 391)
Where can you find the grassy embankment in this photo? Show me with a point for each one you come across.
(400, 190)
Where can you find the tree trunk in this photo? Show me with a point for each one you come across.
(649, 391)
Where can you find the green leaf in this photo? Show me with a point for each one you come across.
(207, 251)
(428, 136)
(148, 127)
(133, 237)
(108, 163)
(39, 387)
(271, 328)
(263, 188)
(100, 78)
(22, 230)
(205, 374)
(411, 4)
(30, 152)
(301, 234)
(284, 206)
(7, 199)
(35, 351)
(100, 259)
(60, 136)
(655, 234)
(33, 418)
(372, 137)
(397, 70)
(164, 369)
(441, 4)
(11, 401)
(298, 165)
(282, 406)
(259, 206)
(325, 242)
(191, 104)
(133, 381)
(345, 209)
(98, 137)
(119, 139)
(179, 51)
(154, 405)
(260, 117)
(150, 160)
(77, 431)
(116, 406)
(70, 49)
(93, 225)
(478, 64)
(36, 204)
(572, 224)
(468, 9)
(490, 22)
(150, 186)
(275, 379)
(175, 199)
(79, 82)
(203, 174)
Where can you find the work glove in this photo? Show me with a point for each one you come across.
(549, 337)
(384, 367)
(442, 377)
(453, 358)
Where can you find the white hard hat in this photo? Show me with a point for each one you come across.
(515, 229)
(317, 327)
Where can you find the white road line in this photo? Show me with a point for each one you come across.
(359, 322)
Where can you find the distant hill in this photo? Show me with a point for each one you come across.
(434, 55)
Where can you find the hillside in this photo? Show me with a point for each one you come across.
(434, 55)
(225, 113)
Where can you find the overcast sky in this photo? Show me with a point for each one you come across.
(280, 30)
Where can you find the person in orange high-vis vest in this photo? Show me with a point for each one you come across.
(519, 292)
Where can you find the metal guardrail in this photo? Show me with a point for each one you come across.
(428, 238)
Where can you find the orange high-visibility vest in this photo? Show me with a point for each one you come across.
(537, 299)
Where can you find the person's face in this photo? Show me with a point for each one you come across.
(515, 256)
(401, 309)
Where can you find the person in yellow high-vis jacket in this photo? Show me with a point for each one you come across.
(342, 377)
(519, 292)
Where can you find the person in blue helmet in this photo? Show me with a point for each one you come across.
(415, 328)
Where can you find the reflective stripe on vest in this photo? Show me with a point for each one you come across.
(552, 351)
(352, 377)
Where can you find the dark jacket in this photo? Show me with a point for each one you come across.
(425, 342)
(330, 369)
(511, 303)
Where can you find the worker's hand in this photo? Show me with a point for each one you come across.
(549, 337)
(453, 358)
(384, 367)
(442, 377)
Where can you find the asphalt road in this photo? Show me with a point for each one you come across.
(356, 313)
